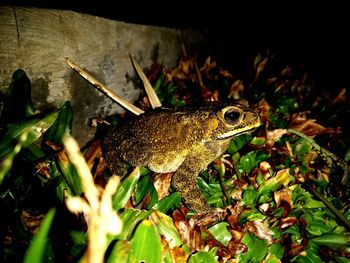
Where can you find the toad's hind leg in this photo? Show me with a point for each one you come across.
(185, 181)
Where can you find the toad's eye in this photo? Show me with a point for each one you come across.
(232, 116)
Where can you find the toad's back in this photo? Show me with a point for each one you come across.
(180, 140)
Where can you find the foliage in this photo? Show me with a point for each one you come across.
(283, 190)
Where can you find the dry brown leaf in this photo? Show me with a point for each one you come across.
(177, 254)
(260, 230)
(273, 136)
(260, 67)
(309, 127)
(287, 72)
(287, 222)
(162, 183)
(225, 73)
(208, 66)
(341, 98)
(264, 169)
(190, 235)
(235, 211)
(31, 220)
(283, 199)
(236, 89)
(263, 108)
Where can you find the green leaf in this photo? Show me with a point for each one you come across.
(7, 161)
(20, 105)
(120, 252)
(333, 241)
(69, 173)
(220, 232)
(238, 142)
(317, 228)
(311, 255)
(62, 188)
(301, 147)
(169, 202)
(277, 250)
(166, 228)
(275, 182)
(34, 127)
(144, 187)
(202, 257)
(125, 189)
(250, 197)
(33, 153)
(312, 203)
(251, 215)
(257, 248)
(130, 218)
(146, 243)
(251, 160)
(286, 105)
(61, 127)
(36, 250)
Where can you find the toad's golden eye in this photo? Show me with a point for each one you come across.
(232, 116)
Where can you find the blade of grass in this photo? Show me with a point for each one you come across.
(127, 105)
(37, 248)
(152, 96)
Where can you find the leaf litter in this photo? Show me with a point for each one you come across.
(282, 192)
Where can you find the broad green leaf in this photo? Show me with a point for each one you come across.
(146, 245)
(125, 189)
(295, 231)
(61, 127)
(258, 141)
(257, 248)
(144, 187)
(33, 154)
(301, 147)
(79, 239)
(333, 241)
(238, 142)
(312, 203)
(7, 161)
(251, 160)
(311, 255)
(120, 252)
(202, 257)
(317, 228)
(20, 105)
(34, 128)
(251, 215)
(250, 197)
(272, 259)
(130, 218)
(166, 227)
(62, 188)
(169, 202)
(341, 259)
(286, 105)
(70, 173)
(220, 232)
(275, 182)
(277, 250)
(157, 87)
(36, 250)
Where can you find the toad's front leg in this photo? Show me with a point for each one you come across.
(185, 181)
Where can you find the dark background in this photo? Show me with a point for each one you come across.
(311, 36)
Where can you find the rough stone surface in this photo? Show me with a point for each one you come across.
(38, 40)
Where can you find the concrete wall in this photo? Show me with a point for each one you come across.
(38, 40)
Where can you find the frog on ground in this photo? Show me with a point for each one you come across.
(182, 140)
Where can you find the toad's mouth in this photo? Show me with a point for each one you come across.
(237, 132)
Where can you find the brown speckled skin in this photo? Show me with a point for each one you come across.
(180, 140)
